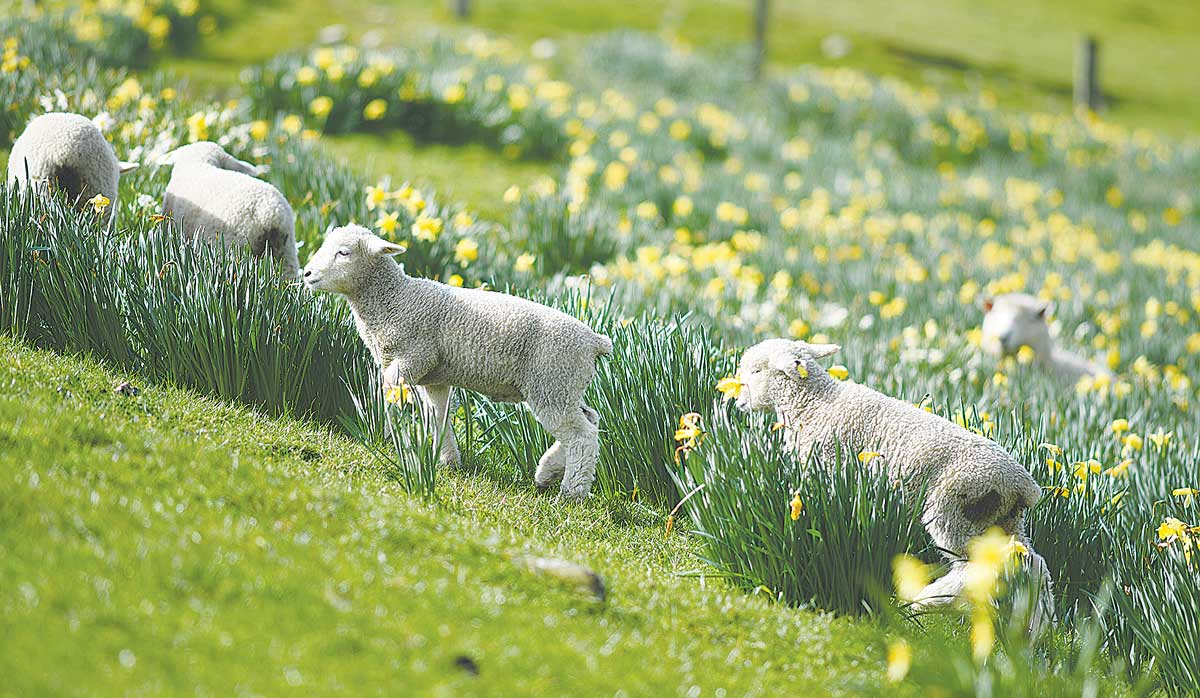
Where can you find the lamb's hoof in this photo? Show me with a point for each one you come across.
(451, 461)
(573, 494)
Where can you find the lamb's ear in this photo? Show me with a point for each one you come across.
(785, 361)
(377, 245)
(986, 303)
(124, 167)
(820, 351)
(168, 158)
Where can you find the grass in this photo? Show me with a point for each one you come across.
(166, 543)
(470, 173)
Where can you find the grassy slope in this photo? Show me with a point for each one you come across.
(167, 543)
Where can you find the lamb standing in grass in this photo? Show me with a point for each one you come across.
(432, 336)
(69, 152)
(217, 196)
(1015, 320)
(971, 483)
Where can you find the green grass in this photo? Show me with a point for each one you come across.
(470, 173)
(166, 543)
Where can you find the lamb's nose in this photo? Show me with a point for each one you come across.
(307, 273)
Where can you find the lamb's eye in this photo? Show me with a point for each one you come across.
(343, 252)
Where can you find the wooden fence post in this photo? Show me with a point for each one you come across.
(1087, 82)
(760, 36)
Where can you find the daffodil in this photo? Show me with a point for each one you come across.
(1120, 469)
(375, 197)
(99, 203)
(899, 660)
(730, 387)
(839, 372)
(868, 456)
(427, 229)
(398, 394)
(1187, 493)
(910, 577)
(375, 110)
(466, 251)
(388, 222)
(1160, 439)
(1172, 528)
(524, 263)
(796, 506)
(688, 435)
(1119, 426)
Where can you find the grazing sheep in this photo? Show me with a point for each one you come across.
(970, 482)
(433, 336)
(1014, 320)
(69, 152)
(217, 196)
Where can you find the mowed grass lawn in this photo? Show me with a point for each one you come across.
(164, 543)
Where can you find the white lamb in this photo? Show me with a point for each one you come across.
(218, 197)
(970, 482)
(67, 151)
(1014, 320)
(432, 336)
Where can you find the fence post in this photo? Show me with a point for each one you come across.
(760, 36)
(462, 8)
(1087, 84)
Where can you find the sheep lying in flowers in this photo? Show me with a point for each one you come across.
(217, 196)
(1016, 320)
(432, 336)
(69, 152)
(971, 484)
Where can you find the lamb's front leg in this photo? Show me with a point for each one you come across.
(438, 397)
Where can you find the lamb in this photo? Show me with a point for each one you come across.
(1014, 320)
(66, 151)
(971, 484)
(433, 337)
(218, 197)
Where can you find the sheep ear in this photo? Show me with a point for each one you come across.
(124, 167)
(785, 361)
(820, 351)
(377, 245)
(987, 303)
(168, 158)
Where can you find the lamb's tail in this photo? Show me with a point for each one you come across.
(604, 345)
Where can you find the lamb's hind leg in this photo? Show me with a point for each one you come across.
(554, 461)
(578, 446)
(439, 399)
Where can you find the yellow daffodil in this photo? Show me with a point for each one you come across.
(524, 263)
(730, 387)
(428, 229)
(899, 660)
(1120, 469)
(1187, 493)
(688, 435)
(388, 222)
(839, 372)
(466, 251)
(398, 394)
(910, 576)
(868, 456)
(983, 633)
(1119, 426)
(375, 197)
(99, 203)
(1160, 439)
(797, 506)
(1172, 528)
(375, 110)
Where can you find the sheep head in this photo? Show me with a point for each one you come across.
(767, 363)
(1014, 320)
(347, 256)
(209, 153)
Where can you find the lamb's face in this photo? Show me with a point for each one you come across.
(1015, 320)
(773, 360)
(344, 255)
